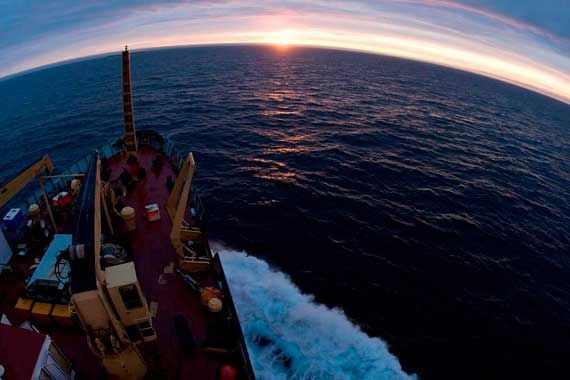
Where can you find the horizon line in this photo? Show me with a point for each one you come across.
(563, 100)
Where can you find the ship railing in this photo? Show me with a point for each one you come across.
(54, 186)
(165, 145)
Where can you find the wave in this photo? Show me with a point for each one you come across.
(291, 337)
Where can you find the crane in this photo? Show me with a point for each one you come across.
(9, 189)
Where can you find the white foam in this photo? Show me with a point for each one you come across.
(291, 337)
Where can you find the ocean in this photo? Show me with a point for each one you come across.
(378, 218)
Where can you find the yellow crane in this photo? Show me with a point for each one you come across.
(9, 189)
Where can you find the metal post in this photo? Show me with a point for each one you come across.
(107, 216)
(46, 199)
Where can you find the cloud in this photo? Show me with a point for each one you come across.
(550, 15)
(450, 33)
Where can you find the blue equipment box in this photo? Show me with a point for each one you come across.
(13, 217)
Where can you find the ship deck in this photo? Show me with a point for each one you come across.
(166, 293)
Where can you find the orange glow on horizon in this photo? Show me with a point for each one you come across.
(459, 54)
(496, 64)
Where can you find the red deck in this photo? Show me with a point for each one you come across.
(165, 290)
(153, 253)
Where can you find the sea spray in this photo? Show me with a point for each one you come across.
(291, 337)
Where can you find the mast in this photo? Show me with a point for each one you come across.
(129, 119)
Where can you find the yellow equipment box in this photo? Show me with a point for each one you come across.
(41, 312)
(62, 315)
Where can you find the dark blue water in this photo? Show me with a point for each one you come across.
(431, 205)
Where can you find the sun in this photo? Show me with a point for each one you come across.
(284, 38)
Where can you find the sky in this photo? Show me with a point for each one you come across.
(524, 42)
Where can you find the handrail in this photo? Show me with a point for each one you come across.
(144, 137)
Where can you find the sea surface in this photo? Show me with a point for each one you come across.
(378, 218)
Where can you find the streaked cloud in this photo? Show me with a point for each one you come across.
(462, 35)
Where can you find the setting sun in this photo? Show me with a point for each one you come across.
(284, 38)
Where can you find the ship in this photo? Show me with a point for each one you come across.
(107, 271)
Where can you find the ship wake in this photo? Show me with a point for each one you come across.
(291, 337)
